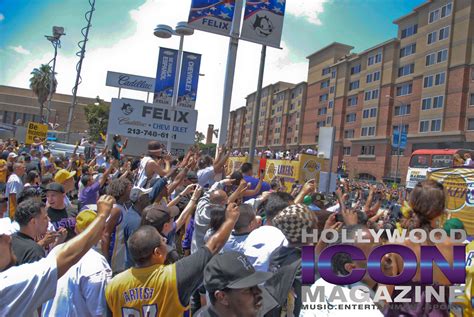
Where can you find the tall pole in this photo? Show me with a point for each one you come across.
(174, 99)
(79, 67)
(333, 135)
(400, 131)
(48, 110)
(256, 108)
(230, 70)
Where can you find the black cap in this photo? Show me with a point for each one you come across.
(55, 187)
(232, 270)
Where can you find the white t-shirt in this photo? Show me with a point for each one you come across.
(81, 291)
(26, 287)
(14, 186)
(260, 245)
(206, 176)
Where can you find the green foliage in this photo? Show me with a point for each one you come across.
(40, 83)
(97, 116)
(199, 137)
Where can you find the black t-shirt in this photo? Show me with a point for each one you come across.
(26, 249)
(190, 272)
(64, 218)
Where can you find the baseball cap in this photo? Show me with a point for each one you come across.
(55, 187)
(232, 270)
(154, 148)
(136, 191)
(63, 175)
(293, 220)
(12, 155)
(84, 219)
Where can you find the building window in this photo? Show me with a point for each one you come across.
(404, 89)
(424, 126)
(331, 104)
(442, 56)
(346, 150)
(374, 59)
(408, 50)
(367, 150)
(320, 124)
(432, 37)
(426, 104)
(288, 140)
(436, 125)
(325, 84)
(368, 131)
(322, 111)
(470, 124)
(368, 79)
(440, 13)
(402, 110)
(471, 99)
(409, 31)
(349, 134)
(438, 102)
(331, 89)
(351, 117)
(355, 69)
(354, 85)
(443, 33)
(369, 113)
(296, 139)
(440, 79)
(406, 70)
(376, 75)
(434, 16)
(333, 73)
(326, 71)
(329, 120)
(428, 81)
(371, 94)
(396, 127)
(323, 97)
(430, 59)
(352, 101)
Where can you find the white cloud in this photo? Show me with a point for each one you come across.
(308, 9)
(20, 50)
(138, 53)
(2, 17)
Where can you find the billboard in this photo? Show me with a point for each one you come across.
(263, 22)
(213, 16)
(128, 81)
(165, 73)
(138, 119)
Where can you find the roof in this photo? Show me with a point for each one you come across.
(438, 151)
(378, 46)
(415, 10)
(333, 44)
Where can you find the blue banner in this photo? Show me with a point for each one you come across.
(213, 16)
(188, 80)
(165, 74)
(403, 139)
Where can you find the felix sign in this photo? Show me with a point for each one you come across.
(138, 119)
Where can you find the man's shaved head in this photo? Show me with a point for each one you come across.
(218, 197)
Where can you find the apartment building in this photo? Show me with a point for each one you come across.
(422, 81)
(280, 118)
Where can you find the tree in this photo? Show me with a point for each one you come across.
(40, 83)
(97, 116)
(199, 137)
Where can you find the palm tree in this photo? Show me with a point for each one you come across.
(40, 84)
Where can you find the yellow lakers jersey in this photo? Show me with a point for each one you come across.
(145, 292)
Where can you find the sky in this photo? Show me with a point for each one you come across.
(121, 39)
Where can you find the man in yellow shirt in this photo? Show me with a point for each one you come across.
(151, 288)
(3, 174)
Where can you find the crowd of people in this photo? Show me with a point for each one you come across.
(100, 233)
(288, 155)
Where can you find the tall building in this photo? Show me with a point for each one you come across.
(279, 122)
(421, 82)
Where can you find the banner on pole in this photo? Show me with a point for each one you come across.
(188, 80)
(138, 119)
(165, 73)
(213, 16)
(263, 22)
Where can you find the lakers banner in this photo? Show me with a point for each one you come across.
(459, 188)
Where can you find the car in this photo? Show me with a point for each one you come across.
(64, 149)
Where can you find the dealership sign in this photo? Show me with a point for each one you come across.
(138, 119)
(127, 81)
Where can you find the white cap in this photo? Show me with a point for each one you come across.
(136, 191)
(12, 154)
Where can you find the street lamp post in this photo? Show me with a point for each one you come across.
(400, 131)
(56, 42)
(165, 31)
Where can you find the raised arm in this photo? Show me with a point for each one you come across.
(309, 187)
(217, 240)
(73, 250)
(190, 207)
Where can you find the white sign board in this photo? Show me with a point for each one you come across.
(127, 81)
(138, 119)
(326, 141)
(323, 182)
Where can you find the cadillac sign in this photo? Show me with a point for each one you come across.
(127, 81)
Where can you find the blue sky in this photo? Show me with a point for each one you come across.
(121, 40)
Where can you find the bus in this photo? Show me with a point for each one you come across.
(424, 161)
